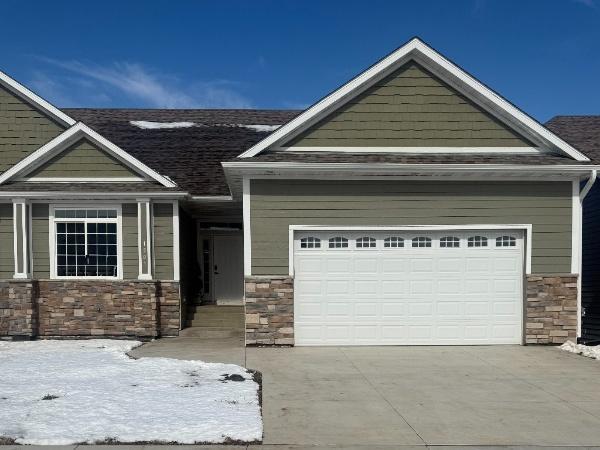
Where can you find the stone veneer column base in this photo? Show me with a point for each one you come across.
(17, 310)
(269, 310)
(551, 309)
(89, 308)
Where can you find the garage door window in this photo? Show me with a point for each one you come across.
(477, 241)
(421, 241)
(338, 242)
(310, 242)
(506, 241)
(393, 242)
(449, 242)
(366, 242)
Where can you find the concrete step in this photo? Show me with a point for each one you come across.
(212, 332)
(201, 321)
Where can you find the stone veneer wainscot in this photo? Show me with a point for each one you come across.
(269, 310)
(84, 308)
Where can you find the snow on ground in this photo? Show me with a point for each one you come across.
(585, 350)
(145, 125)
(66, 392)
(261, 128)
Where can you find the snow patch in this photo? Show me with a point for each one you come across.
(260, 128)
(65, 392)
(580, 349)
(145, 125)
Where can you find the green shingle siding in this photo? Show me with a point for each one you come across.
(7, 263)
(83, 159)
(163, 241)
(23, 129)
(409, 108)
(277, 204)
(40, 238)
(131, 262)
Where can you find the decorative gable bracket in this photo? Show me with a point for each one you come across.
(68, 138)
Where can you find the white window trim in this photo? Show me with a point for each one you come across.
(52, 237)
(527, 230)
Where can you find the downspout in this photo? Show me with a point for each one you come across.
(582, 194)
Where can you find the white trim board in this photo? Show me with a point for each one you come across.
(417, 150)
(420, 52)
(527, 228)
(21, 91)
(246, 226)
(81, 179)
(69, 137)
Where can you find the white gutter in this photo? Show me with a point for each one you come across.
(67, 194)
(588, 185)
(211, 198)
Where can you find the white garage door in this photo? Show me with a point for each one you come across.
(408, 287)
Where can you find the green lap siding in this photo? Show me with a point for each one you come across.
(131, 261)
(83, 159)
(409, 108)
(40, 240)
(23, 129)
(277, 204)
(163, 241)
(7, 263)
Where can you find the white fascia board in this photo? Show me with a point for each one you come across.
(68, 137)
(399, 168)
(21, 91)
(66, 195)
(414, 48)
(211, 198)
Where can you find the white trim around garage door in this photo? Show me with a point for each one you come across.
(527, 228)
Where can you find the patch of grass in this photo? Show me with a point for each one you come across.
(49, 397)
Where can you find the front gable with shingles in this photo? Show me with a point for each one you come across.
(409, 108)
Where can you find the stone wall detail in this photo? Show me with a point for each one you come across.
(551, 309)
(17, 309)
(89, 308)
(269, 310)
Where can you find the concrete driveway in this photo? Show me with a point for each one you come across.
(391, 396)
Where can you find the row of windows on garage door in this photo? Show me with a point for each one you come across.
(365, 242)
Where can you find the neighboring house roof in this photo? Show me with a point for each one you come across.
(187, 145)
(582, 132)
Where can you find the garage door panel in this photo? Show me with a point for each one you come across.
(409, 295)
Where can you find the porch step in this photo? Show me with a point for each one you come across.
(212, 332)
(215, 321)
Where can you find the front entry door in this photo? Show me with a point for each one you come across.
(228, 265)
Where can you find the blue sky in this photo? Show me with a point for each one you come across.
(542, 55)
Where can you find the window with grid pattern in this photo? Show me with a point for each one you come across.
(393, 242)
(477, 241)
(449, 242)
(86, 242)
(366, 242)
(338, 242)
(421, 241)
(310, 242)
(506, 241)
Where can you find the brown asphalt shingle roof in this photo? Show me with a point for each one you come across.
(582, 132)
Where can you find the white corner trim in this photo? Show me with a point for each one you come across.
(527, 228)
(576, 224)
(176, 243)
(414, 150)
(415, 47)
(63, 140)
(17, 88)
(247, 231)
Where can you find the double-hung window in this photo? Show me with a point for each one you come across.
(86, 242)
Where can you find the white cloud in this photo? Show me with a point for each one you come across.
(79, 83)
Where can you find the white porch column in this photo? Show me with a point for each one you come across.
(145, 238)
(21, 238)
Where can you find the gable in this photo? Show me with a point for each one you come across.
(411, 107)
(23, 129)
(83, 159)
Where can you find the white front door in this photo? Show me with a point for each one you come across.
(408, 287)
(228, 265)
